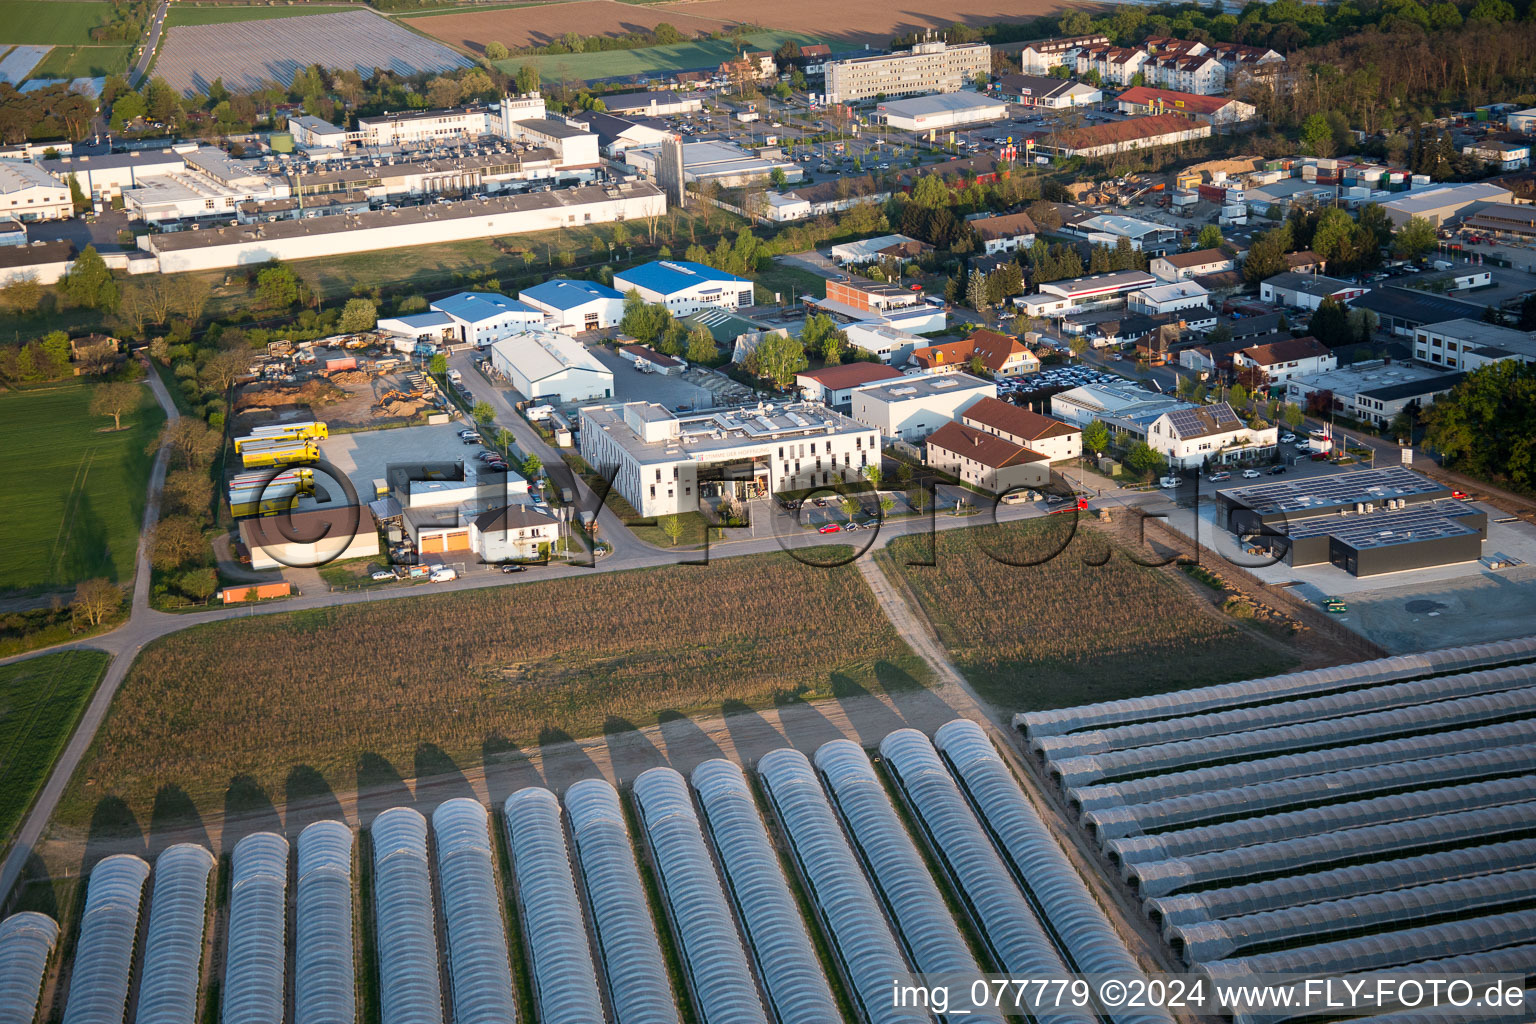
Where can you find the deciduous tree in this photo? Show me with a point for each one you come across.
(96, 601)
(116, 399)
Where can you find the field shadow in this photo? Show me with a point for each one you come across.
(686, 743)
(751, 734)
(630, 751)
(563, 761)
(308, 798)
(870, 718)
(508, 768)
(442, 773)
(175, 819)
(806, 728)
(917, 705)
(379, 787)
(247, 808)
(87, 552)
(34, 890)
(114, 829)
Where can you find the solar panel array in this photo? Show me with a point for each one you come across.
(1351, 820)
(1311, 494)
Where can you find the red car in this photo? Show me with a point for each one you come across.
(830, 528)
(1459, 495)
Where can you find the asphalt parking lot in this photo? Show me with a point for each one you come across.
(630, 385)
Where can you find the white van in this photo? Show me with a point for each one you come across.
(443, 574)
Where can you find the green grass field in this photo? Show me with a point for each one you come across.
(40, 701)
(648, 60)
(51, 21)
(228, 14)
(75, 492)
(85, 61)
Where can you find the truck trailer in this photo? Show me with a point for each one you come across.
(279, 452)
(312, 430)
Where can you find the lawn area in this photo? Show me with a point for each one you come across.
(40, 701)
(51, 21)
(85, 61)
(227, 14)
(646, 60)
(1064, 632)
(76, 490)
(480, 673)
(790, 282)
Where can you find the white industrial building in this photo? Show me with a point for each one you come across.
(941, 111)
(576, 305)
(834, 385)
(105, 176)
(483, 318)
(543, 364)
(430, 328)
(724, 163)
(653, 104)
(914, 407)
(1467, 344)
(210, 183)
(660, 457)
(683, 286)
(1374, 391)
(1055, 298)
(244, 245)
(1182, 266)
(574, 148)
(1444, 203)
(316, 133)
(883, 341)
(29, 193)
(1307, 291)
(1169, 298)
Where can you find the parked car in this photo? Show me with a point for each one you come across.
(381, 575)
(1335, 605)
(443, 574)
(470, 434)
(1276, 470)
(1287, 438)
(471, 439)
(1459, 495)
(1168, 482)
(1250, 474)
(511, 567)
(830, 528)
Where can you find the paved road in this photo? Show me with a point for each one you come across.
(156, 26)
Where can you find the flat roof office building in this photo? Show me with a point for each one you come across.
(933, 66)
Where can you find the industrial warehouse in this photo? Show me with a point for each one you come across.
(1366, 523)
(1336, 822)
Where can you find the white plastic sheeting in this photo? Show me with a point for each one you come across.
(901, 880)
(1373, 952)
(479, 970)
(1196, 808)
(1284, 766)
(1271, 688)
(1339, 883)
(1309, 709)
(98, 981)
(324, 971)
(1382, 911)
(796, 988)
(638, 988)
(1333, 732)
(27, 940)
(564, 978)
(712, 954)
(860, 939)
(173, 944)
(1161, 877)
(254, 967)
(1016, 940)
(409, 992)
(1086, 938)
(1229, 835)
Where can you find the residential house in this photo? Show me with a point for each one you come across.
(1307, 291)
(1201, 74)
(985, 460)
(1002, 354)
(834, 385)
(1056, 439)
(1163, 299)
(1278, 361)
(1186, 266)
(512, 532)
(1113, 64)
(1039, 57)
(1189, 438)
(1500, 154)
(1006, 233)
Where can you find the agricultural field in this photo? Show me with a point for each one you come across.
(86, 61)
(50, 21)
(648, 60)
(856, 22)
(75, 488)
(40, 702)
(541, 24)
(228, 14)
(1065, 631)
(478, 674)
(249, 54)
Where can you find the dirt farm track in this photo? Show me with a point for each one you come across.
(851, 22)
